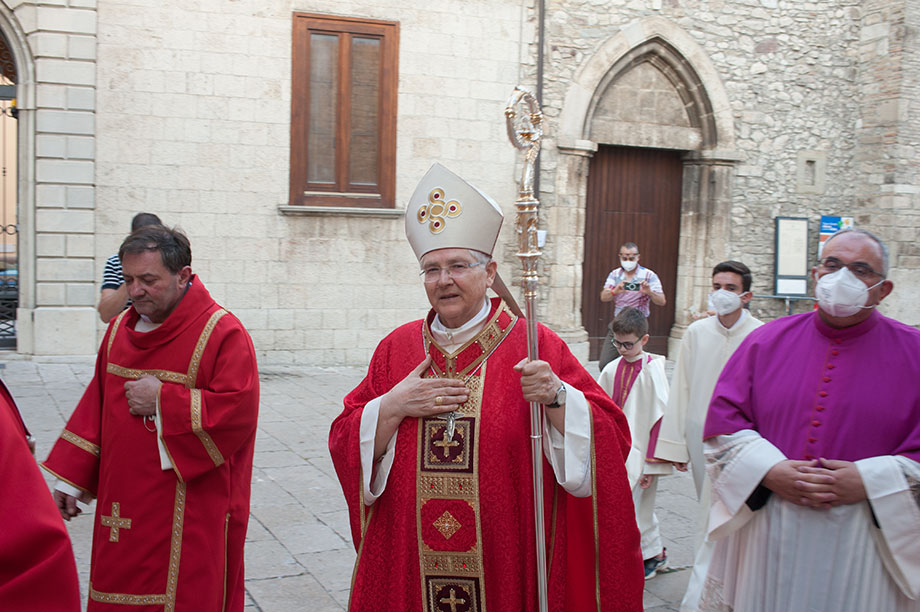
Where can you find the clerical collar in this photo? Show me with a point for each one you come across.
(144, 324)
(846, 333)
(450, 339)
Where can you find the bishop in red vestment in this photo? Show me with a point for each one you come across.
(433, 447)
(35, 551)
(163, 438)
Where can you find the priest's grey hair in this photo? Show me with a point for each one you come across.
(871, 236)
(480, 257)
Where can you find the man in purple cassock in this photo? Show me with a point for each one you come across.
(813, 447)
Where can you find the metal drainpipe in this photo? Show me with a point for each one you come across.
(541, 41)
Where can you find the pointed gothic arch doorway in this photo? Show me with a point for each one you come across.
(653, 87)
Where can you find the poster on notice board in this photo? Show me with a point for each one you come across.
(829, 227)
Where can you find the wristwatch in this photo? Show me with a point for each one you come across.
(560, 397)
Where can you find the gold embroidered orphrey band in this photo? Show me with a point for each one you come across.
(80, 442)
(448, 516)
(447, 509)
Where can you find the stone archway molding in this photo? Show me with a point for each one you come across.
(708, 170)
(696, 69)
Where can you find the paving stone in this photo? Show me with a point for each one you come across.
(267, 442)
(669, 587)
(256, 531)
(299, 553)
(327, 566)
(338, 521)
(278, 458)
(289, 594)
(298, 529)
(266, 491)
(269, 559)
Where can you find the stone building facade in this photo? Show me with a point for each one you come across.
(778, 107)
(770, 90)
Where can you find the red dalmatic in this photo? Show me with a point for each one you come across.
(454, 528)
(168, 540)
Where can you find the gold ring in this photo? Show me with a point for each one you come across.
(438, 400)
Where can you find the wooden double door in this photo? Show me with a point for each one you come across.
(634, 195)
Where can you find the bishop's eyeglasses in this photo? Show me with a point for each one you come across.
(432, 274)
(858, 268)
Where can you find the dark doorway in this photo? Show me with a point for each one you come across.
(633, 196)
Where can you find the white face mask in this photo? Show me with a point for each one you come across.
(724, 301)
(841, 294)
(629, 266)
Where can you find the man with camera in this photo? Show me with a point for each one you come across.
(630, 285)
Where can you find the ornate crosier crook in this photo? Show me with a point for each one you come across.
(525, 130)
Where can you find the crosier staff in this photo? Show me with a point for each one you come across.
(524, 120)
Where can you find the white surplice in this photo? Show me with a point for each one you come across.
(644, 406)
(704, 351)
(786, 557)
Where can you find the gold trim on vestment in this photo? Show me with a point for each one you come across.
(80, 442)
(126, 599)
(461, 568)
(488, 339)
(364, 524)
(223, 607)
(108, 350)
(175, 466)
(175, 548)
(203, 436)
(199, 346)
(115, 522)
(134, 374)
(627, 378)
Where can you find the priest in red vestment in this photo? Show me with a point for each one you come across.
(163, 438)
(35, 550)
(433, 447)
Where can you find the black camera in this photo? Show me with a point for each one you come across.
(632, 286)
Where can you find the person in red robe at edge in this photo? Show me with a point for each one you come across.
(163, 438)
(433, 447)
(37, 570)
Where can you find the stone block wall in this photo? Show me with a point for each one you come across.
(791, 72)
(184, 110)
(888, 149)
(193, 123)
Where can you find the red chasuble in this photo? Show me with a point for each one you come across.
(37, 571)
(168, 540)
(453, 530)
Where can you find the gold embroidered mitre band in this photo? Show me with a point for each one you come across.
(446, 212)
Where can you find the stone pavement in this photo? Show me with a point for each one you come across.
(299, 554)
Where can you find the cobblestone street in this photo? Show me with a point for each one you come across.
(299, 554)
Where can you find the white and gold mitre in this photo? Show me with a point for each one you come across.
(446, 212)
